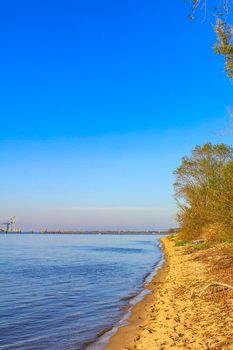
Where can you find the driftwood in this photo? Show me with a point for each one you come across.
(199, 288)
(215, 284)
(199, 241)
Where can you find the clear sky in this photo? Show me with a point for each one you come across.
(99, 102)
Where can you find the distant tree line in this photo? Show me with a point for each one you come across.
(222, 12)
(204, 193)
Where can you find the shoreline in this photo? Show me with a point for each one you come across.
(127, 333)
(105, 338)
(174, 316)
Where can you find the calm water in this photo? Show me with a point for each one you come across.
(62, 291)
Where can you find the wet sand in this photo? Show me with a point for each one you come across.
(174, 315)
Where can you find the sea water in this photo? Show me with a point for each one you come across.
(64, 291)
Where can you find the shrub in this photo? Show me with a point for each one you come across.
(204, 193)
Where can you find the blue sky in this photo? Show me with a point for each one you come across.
(99, 102)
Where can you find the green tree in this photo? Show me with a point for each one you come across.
(201, 189)
(224, 197)
(224, 45)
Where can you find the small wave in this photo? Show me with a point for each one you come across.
(128, 297)
(118, 250)
(104, 331)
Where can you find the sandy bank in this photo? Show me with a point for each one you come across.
(175, 316)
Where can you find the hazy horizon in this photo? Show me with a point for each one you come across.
(104, 218)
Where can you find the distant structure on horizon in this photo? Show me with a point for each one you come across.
(10, 225)
(174, 230)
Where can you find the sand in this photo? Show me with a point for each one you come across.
(174, 315)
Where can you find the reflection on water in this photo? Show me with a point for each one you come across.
(62, 291)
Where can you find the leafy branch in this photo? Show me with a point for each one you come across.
(221, 10)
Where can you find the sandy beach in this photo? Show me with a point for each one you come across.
(180, 313)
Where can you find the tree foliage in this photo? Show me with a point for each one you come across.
(220, 8)
(224, 46)
(204, 192)
(222, 12)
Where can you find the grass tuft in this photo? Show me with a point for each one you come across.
(181, 243)
(196, 247)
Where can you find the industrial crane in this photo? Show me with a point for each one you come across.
(10, 224)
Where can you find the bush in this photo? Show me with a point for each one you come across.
(204, 193)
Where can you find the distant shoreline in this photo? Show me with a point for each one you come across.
(89, 232)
